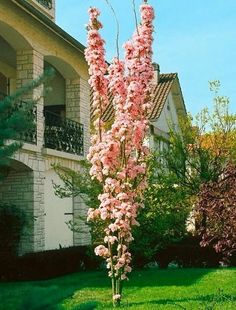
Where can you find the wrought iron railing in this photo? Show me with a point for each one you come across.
(63, 134)
(46, 3)
(29, 136)
(2, 96)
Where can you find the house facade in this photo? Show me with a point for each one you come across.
(168, 108)
(30, 42)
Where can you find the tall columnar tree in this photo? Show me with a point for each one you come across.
(118, 155)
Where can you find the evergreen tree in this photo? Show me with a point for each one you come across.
(16, 118)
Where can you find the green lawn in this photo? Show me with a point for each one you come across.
(202, 289)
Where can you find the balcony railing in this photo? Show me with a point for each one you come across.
(60, 133)
(29, 136)
(46, 3)
(63, 134)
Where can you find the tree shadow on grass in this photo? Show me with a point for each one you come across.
(202, 300)
(90, 305)
(49, 298)
(47, 294)
(168, 277)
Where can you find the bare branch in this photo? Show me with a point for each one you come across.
(117, 27)
(135, 16)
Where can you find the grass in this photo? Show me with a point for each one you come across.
(201, 289)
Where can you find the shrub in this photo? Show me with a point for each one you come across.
(12, 223)
(48, 264)
(188, 253)
(216, 210)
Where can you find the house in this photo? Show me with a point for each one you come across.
(30, 42)
(168, 107)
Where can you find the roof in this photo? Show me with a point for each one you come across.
(160, 94)
(50, 24)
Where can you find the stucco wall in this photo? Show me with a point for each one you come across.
(161, 127)
(168, 116)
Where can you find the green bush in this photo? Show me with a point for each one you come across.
(12, 223)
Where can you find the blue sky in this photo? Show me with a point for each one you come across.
(196, 39)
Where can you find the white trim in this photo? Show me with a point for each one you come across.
(64, 155)
(31, 147)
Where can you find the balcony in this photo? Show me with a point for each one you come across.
(46, 3)
(63, 134)
(60, 133)
(29, 136)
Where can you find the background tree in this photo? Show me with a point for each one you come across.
(216, 208)
(163, 219)
(199, 151)
(194, 156)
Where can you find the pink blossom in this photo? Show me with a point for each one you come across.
(111, 239)
(113, 227)
(118, 152)
(101, 250)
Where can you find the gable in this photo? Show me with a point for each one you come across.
(166, 83)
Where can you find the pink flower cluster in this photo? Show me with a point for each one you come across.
(118, 155)
(95, 56)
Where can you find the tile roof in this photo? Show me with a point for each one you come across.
(160, 93)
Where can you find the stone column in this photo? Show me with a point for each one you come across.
(82, 236)
(39, 208)
(78, 109)
(85, 112)
(29, 67)
(78, 106)
(73, 100)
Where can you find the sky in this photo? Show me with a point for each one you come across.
(196, 39)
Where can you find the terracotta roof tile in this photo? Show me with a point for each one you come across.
(160, 94)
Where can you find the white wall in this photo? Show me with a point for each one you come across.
(167, 119)
(57, 232)
(168, 115)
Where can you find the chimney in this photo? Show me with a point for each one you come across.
(156, 69)
(47, 7)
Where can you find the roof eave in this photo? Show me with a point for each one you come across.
(43, 19)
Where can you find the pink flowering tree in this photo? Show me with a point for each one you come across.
(118, 155)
